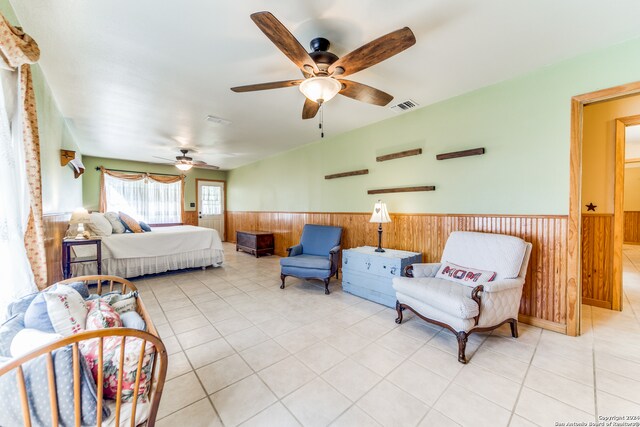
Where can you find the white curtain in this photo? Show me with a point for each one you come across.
(17, 276)
(146, 200)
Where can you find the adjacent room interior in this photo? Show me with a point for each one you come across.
(312, 214)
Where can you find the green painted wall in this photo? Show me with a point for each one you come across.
(91, 178)
(60, 191)
(523, 123)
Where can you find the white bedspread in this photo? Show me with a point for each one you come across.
(159, 242)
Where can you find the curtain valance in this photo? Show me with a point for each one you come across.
(163, 179)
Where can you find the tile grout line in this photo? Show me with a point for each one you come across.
(524, 379)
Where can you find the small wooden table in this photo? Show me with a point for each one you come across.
(66, 254)
(255, 242)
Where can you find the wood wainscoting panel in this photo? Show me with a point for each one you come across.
(190, 218)
(544, 295)
(632, 227)
(55, 227)
(597, 259)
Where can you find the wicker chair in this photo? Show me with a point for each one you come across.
(158, 371)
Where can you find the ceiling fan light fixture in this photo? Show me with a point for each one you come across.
(320, 89)
(184, 166)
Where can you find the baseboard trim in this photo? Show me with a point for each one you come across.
(544, 324)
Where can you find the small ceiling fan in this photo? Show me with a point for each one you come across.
(184, 162)
(323, 70)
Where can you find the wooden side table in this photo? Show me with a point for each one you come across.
(255, 242)
(66, 254)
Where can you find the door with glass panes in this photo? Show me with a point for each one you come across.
(211, 205)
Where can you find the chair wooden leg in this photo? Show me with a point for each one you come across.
(337, 271)
(326, 285)
(514, 327)
(399, 310)
(282, 276)
(462, 345)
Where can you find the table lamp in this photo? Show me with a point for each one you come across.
(380, 215)
(79, 217)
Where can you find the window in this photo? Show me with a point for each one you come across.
(211, 200)
(145, 199)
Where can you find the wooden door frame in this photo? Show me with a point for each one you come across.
(574, 285)
(224, 195)
(617, 295)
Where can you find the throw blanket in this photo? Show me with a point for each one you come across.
(161, 241)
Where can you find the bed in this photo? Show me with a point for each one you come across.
(163, 249)
(55, 408)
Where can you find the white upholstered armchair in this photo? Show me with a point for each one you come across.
(476, 287)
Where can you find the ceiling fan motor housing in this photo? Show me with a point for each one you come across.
(320, 53)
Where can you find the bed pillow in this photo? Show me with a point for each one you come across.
(101, 315)
(8, 330)
(131, 319)
(116, 224)
(67, 310)
(35, 377)
(464, 275)
(130, 223)
(99, 225)
(27, 340)
(145, 227)
(111, 363)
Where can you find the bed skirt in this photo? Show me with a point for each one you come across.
(134, 267)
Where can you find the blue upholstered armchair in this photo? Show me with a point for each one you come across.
(315, 257)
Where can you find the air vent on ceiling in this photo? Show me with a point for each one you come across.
(218, 120)
(407, 105)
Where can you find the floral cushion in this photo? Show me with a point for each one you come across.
(67, 310)
(101, 315)
(111, 354)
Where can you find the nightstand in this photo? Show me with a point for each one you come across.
(66, 254)
(369, 274)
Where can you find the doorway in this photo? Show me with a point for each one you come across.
(211, 205)
(596, 217)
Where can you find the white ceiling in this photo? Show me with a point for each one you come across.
(137, 78)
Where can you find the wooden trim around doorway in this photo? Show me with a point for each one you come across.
(224, 191)
(575, 175)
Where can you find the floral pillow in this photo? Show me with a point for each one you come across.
(101, 315)
(67, 310)
(111, 364)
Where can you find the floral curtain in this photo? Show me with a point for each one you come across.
(149, 199)
(17, 51)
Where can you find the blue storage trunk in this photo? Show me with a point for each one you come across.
(369, 274)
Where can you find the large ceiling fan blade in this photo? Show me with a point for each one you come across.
(163, 158)
(310, 109)
(374, 52)
(364, 93)
(266, 86)
(205, 166)
(284, 40)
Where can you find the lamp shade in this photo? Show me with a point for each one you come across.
(80, 216)
(380, 214)
(184, 166)
(320, 89)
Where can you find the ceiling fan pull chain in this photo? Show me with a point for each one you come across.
(321, 124)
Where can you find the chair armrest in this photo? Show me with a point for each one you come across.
(335, 250)
(502, 285)
(294, 250)
(421, 269)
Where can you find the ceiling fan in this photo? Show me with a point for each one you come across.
(184, 162)
(323, 70)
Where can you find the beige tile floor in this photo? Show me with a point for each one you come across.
(244, 352)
